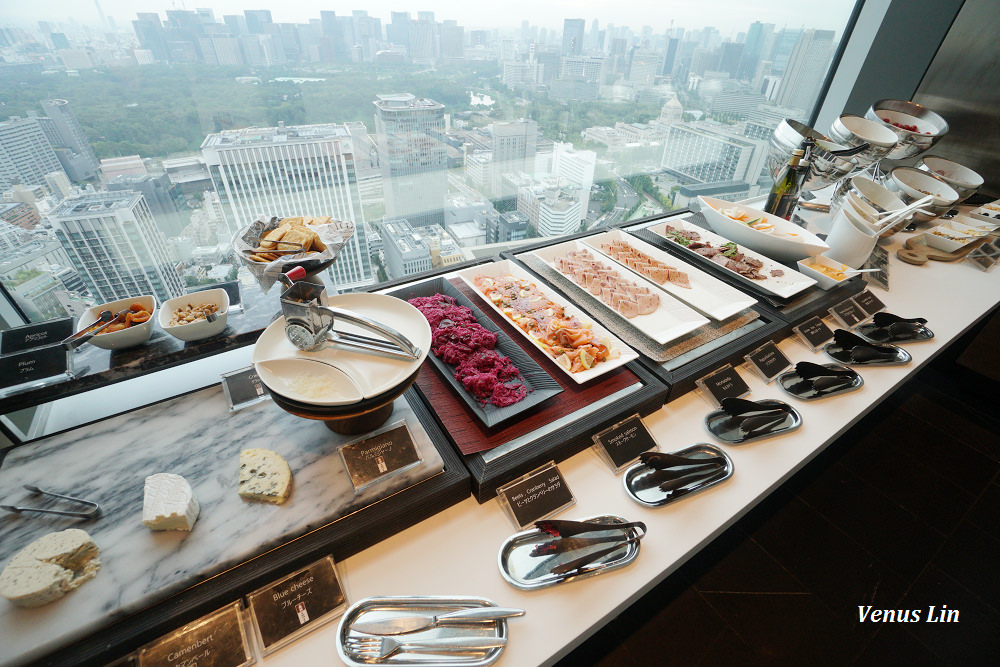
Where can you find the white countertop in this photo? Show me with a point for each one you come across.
(455, 552)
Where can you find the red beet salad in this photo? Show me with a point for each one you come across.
(459, 340)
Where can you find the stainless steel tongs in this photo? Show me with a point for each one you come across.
(92, 513)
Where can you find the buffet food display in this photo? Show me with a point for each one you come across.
(510, 353)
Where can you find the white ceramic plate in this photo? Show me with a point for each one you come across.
(372, 374)
(508, 268)
(786, 243)
(787, 285)
(708, 294)
(670, 320)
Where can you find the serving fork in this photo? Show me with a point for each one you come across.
(376, 649)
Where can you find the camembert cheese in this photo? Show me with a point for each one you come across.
(168, 503)
(50, 567)
(264, 475)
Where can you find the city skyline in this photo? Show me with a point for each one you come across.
(730, 17)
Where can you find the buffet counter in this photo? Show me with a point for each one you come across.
(455, 552)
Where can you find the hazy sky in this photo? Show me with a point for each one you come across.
(729, 16)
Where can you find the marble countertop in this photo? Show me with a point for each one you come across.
(194, 436)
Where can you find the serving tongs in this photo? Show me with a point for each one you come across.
(850, 348)
(565, 541)
(824, 378)
(310, 322)
(92, 513)
(294, 249)
(889, 328)
(740, 420)
(104, 320)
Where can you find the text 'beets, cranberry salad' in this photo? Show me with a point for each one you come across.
(457, 339)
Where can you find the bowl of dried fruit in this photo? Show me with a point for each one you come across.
(195, 316)
(135, 325)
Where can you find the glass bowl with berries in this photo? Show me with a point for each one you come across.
(917, 127)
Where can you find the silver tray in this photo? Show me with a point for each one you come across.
(384, 608)
(789, 382)
(727, 429)
(516, 565)
(842, 356)
(654, 497)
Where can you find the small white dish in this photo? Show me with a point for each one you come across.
(137, 334)
(198, 329)
(956, 240)
(781, 240)
(824, 280)
(309, 381)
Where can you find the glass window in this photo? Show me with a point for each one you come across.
(138, 142)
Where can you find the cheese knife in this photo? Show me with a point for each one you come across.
(402, 625)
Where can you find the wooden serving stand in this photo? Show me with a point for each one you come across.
(916, 251)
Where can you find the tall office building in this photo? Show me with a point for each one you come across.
(754, 48)
(413, 157)
(576, 168)
(78, 160)
(304, 170)
(26, 155)
(806, 69)
(707, 152)
(515, 144)
(115, 246)
(572, 42)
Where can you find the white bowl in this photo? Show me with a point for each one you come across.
(964, 180)
(787, 243)
(309, 381)
(198, 329)
(947, 244)
(136, 334)
(824, 281)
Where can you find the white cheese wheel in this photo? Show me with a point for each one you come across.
(50, 567)
(264, 475)
(168, 503)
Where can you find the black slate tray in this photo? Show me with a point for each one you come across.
(540, 384)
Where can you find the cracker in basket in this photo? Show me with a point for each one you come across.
(269, 240)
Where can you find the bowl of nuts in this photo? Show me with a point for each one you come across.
(195, 316)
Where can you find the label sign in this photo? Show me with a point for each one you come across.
(537, 496)
(848, 313)
(32, 336)
(815, 332)
(382, 454)
(768, 361)
(296, 604)
(624, 441)
(216, 640)
(724, 383)
(32, 365)
(868, 302)
(243, 388)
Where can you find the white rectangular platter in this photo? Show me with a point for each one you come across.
(785, 286)
(707, 294)
(670, 320)
(508, 268)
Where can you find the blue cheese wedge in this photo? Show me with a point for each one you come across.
(264, 475)
(168, 503)
(50, 567)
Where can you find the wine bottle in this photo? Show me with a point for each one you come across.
(784, 195)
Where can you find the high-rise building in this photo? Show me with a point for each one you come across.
(78, 160)
(149, 29)
(582, 68)
(158, 192)
(413, 157)
(304, 170)
(551, 209)
(572, 42)
(115, 246)
(753, 49)
(576, 168)
(26, 155)
(258, 20)
(784, 42)
(707, 152)
(806, 69)
(514, 147)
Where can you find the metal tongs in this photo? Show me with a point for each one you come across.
(104, 320)
(309, 322)
(92, 513)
